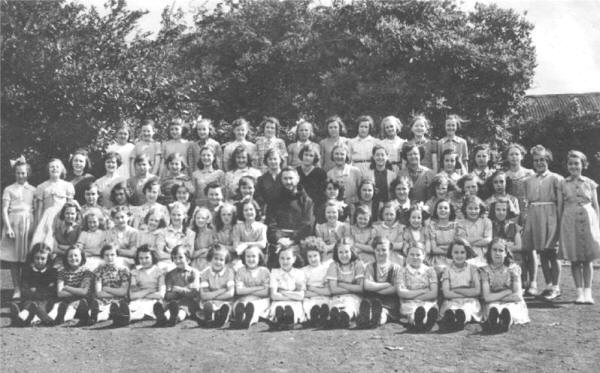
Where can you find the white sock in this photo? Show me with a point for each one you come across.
(181, 315)
(23, 314)
(549, 286)
(556, 287)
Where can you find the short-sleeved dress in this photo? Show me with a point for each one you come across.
(52, 196)
(292, 280)
(411, 278)
(144, 279)
(462, 277)
(441, 236)
(114, 276)
(541, 228)
(213, 281)
(503, 278)
(362, 236)
(350, 273)
(316, 276)
(518, 190)
(246, 277)
(330, 234)
(394, 234)
(579, 228)
(19, 199)
(79, 278)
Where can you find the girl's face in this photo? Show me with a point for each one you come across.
(201, 219)
(574, 166)
(218, 261)
(177, 217)
(247, 189)
(182, 194)
(413, 157)
(203, 131)
(110, 165)
(122, 136)
(380, 157)
(367, 192)
(389, 215)
(120, 219)
(40, 259)
(274, 162)
(286, 259)
(514, 156)
(382, 253)
(153, 222)
(249, 212)
(362, 220)
(175, 166)
(70, 215)
(215, 196)
(339, 156)
(363, 129)
(482, 158)
(449, 162)
(92, 222)
(21, 174)
(470, 188)
(109, 256)
(331, 192)
(498, 252)
(331, 214)
(146, 133)
(207, 157)
(226, 216)
(120, 196)
(142, 168)
(308, 158)
(501, 211)
(175, 131)
(451, 126)
(499, 183)
(459, 254)
(473, 211)
(78, 163)
(303, 131)
(252, 257)
(389, 128)
(419, 128)
(443, 210)
(270, 129)
(401, 192)
(179, 259)
(240, 132)
(152, 193)
(415, 257)
(416, 219)
(313, 257)
(441, 191)
(540, 164)
(91, 196)
(55, 169)
(145, 259)
(74, 258)
(344, 254)
(241, 160)
(333, 129)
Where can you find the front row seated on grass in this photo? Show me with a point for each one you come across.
(329, 294)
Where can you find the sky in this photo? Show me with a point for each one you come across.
(566, 37)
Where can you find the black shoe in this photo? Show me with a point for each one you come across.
(419, 317)
(94, 310)
(60, 316)
(113, 313)
(83, 313)
(15, 320)
(279, 316)
(208, 312)
(432, 315)
(221, 315)
(334, 318)
(288, 318)
(323, 315)
(344, 320)
(447, 322)
(124, 313)
(492, 321)
(248, 315)
(376, 311)
(364, 315)
(173, 311)
(159, 313)
(504, 320)
(238, 315)
(314, 316)
(460, 319)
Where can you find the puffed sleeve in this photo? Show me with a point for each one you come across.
(266, 275)
(203, 278)
(332, 271)
(515, 273)
(431, 275)
(401, 279)
(369, 274)
(359, 270)
(445, 274)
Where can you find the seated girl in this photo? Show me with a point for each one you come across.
(317, 295)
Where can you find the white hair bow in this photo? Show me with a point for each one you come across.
(21, 159)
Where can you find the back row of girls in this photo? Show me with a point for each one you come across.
(185, 199)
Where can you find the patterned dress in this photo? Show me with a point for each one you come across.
(541, 228)
(18, 198)
(350, 273)
(503, 278)
(462, 277)
(411, 278)
(246, 277)
(51, 196)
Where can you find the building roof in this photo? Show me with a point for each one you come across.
(538, 107)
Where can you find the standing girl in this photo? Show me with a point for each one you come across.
(418, 291)
(421, 130)
(270, 129)
(452, 141)
(217, 288)
(362, 234)
(18, 221)
(501, 289)
(92, 238)
(112, 162)
(331, 231)
(476, 228)
(304, 133)
(147, 286)
(540, 233)
(204, 238)
(518, 174)
(239, 165)
(175, 144)
(360, 148)
(225, 220)
(146, 146)
(112, 288)
(392, 143)
(135, 184)
(461, 288)
(336, 130)
(579, 228)
(252, 288)
(345, 276)
(240, 127)
(206, 174)
(392, 230)
(316, 298)
(49, 198)
(123, 148)
(79, 175)
(416, 232)
(348, 176)
(205, 130)
(443, 231)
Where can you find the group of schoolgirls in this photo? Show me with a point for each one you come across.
(364, 189)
